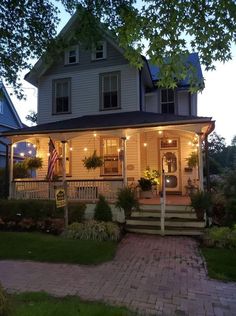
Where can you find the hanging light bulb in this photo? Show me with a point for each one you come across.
(85, 148)
(145, 144)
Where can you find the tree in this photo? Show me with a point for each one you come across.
(172, 28)
(27, 28)
(216, 143)
(32, 117)
(233, 141)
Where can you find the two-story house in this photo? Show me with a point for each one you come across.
(93, 99)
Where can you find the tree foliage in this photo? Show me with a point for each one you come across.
(171, 28)
(27, 27)
(32, 117)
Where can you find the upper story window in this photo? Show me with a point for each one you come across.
(99, 51)
(167, 101)
(62, 96)
(72, 55)
(110, 151)
(110, 91)
(1, 107)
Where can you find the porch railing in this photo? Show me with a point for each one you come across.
(86, 190)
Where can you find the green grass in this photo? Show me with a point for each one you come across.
(41, 304)
(48, 248)
(221, 263)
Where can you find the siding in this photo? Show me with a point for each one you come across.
(8, 118)
(151, 102)
(85, 93)
(183, 102)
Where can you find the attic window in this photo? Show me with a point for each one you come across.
(72, 55)
(1, 107)
(100, 51)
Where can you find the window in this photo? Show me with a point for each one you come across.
(59, 163)
(167, 101)
(100, 51)
(61, 96)
(1, 107)
(110, 152)
(72, 55)
(110, 91)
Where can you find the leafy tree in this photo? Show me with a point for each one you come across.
(233, 141)
(32, 117)
(172, 28)
(216, 143)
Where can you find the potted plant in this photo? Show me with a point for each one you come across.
(146, 188)
(34, 163)
(127, 200)
(201, 202)
(153, 175)
(92, 162)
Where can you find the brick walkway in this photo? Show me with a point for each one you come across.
(150, 274)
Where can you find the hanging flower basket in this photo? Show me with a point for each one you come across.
(92, 162)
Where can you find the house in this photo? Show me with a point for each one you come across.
(94, 100)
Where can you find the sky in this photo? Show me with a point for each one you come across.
(217, 99)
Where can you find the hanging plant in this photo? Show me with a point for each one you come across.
(34, 162)
(92, 162)
(192, 160)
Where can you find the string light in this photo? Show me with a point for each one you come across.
(34, 146)
(127, 137)
(22, 154)
(169, 141)
(48, 154)
(160, 132)
(28, 144)
(71, 148)
(15, 145)
(94, 134)
(30, 152)
(85, 148)
(145, 144)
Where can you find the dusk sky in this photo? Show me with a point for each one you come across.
(217, 99)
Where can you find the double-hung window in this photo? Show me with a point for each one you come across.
(72, 55)
(110, 91)
(110, 152)
(99, 51)
(167, 101)
(62, 96)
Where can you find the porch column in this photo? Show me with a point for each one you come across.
(11, 171)
(64, 181)
(200, 165)
(207, 163)
(124, 160)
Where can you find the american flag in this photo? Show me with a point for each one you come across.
(53, 156)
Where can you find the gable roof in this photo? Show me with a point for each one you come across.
(11, 106)
(192, 59)
(112, 121)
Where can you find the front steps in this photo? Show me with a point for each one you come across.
(179, 220)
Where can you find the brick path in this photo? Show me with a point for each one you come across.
(150, 274)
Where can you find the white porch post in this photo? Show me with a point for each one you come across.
(64, 182)
(124, 160)
(200, 165)
(11, 171)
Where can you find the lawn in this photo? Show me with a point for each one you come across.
(48, 248)
(221, 263)
(41, 304)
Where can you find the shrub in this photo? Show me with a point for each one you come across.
(102, 211)
(4, 304)
(127, 200)
(201, 202)
(93, 230)
(221, 237)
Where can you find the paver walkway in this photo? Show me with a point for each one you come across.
(151, 274)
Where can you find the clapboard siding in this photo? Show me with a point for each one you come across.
(183, 102)
(85, 93)
(114, 58)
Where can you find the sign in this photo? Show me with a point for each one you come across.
(60, 198)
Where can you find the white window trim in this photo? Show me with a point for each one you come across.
(104, 51)
(67, 52)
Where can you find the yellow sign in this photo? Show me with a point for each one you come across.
(60, 198)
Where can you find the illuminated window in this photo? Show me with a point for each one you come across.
(110, 153)
(59, 164)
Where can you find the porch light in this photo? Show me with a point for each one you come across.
(94, 134)
(22, 154)
(145, 144)
(34, 146)
(190, 143)
(169, 141)
(118, 150)
(85, 148)
(15, 145)
(48, 154)
(160, 132)
(127, 137)
(71, 148)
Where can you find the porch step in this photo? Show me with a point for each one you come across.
(169, 207)
(171, 222)
(168, 231)
(168, 214)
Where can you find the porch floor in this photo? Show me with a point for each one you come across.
(170, 200)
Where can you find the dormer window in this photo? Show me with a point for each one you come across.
(100, 51)
(72, 55)
(167, 101)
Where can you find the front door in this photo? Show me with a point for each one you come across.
(169, 158)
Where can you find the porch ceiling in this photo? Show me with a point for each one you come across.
(115, 121)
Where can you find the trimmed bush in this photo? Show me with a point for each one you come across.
(220, 237)
(127, 200)
(102, 211)
(93, 230)
(4, 304)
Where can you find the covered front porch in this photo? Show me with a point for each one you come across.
(127, 148)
